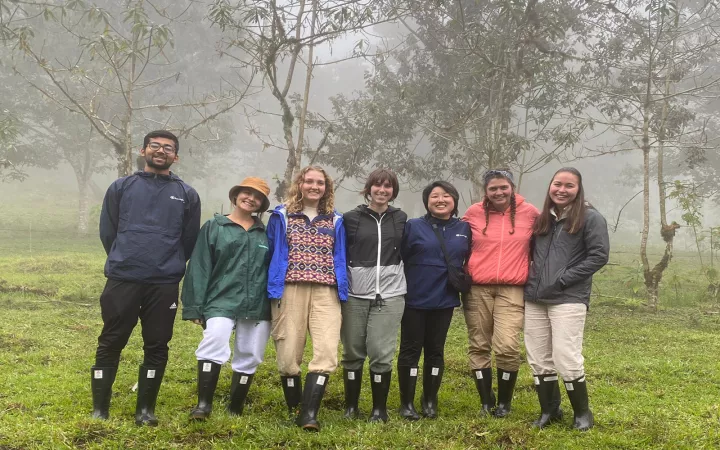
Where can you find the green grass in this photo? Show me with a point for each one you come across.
(653, 378)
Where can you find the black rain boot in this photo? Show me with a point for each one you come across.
(101, 381)
(208, 373)
(239, 388)
(407, 381)
(577, 392)
(149, 381)
(380, 383)
(483, 384)
(353, 384)
(432, 378)
(506, 387)
(292, 390)
(315, 384)
(548, 392)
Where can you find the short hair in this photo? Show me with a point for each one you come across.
(377, 177)
(162, 134)
(447, 187)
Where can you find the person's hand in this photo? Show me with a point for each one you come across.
(198, 322)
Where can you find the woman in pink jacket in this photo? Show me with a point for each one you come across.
(494, 308)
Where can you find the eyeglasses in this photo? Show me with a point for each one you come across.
(156, 146)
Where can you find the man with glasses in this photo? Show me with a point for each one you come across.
(148, 226)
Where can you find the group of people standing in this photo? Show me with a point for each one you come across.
(355, 278)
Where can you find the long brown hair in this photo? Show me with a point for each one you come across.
(576, 215)
(293, 201)
(504, 174)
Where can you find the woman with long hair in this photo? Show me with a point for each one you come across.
(225, 289)
(372, 314)
(498, 265)
(430, 299)
(571, 243)
(307, 275)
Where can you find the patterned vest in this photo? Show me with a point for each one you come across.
(310, 250)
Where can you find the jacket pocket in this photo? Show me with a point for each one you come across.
(279, 321)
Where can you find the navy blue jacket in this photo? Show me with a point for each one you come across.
(148, 226)
(425, 267)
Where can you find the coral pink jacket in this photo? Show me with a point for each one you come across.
(498, 257)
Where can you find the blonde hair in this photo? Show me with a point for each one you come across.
(293, 201)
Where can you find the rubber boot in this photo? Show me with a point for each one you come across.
(380, 383)
(239, 388)
(407, 381)
(432, 378)
(292, 390)
(208, 373)
(353, 383)
(577, 392)
(483, 384)
(548, 392)
(149, 381)
(506, 387)
(101, 381)
(315, 384)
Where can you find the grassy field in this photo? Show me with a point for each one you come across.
(654, 378)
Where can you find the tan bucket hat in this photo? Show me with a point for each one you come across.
(256, 184)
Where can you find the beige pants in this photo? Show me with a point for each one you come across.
(306, 307)
(494, 318)
(554, 339)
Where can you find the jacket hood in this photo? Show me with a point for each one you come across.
(282, 211)
(364, 208)
(221, 219)
(172, 176)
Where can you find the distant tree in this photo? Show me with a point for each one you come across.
(475, 85)
(653, 93)
(278, 38)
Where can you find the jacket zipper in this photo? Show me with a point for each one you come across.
(547, 252)
(502, 234)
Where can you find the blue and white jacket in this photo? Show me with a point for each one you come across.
(277, 241)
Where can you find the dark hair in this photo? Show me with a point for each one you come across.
(162, 134)
(447, 187)
(576, 217)
(504, 174)
(377, 177)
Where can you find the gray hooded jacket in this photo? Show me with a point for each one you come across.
(563, 263)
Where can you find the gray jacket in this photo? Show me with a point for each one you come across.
(563, 263)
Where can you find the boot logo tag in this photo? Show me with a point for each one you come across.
(321, 380)
(569, 386)
(537, 381)
(478, 375)
(207, 367)
(151, 373)
(98, 374)
(290, 382)
(351, 375)
(378, 378)
(243, 379)
(435, 371)
(413, 372)
(506, 376)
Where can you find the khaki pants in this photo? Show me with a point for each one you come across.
(306, 307)
(554, 339)
(494, 318)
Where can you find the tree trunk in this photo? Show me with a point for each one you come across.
(83, 206)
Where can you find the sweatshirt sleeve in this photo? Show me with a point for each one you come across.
(197, 277)
(597, 245)
(340, 261)
(110, 216)
(191, 224)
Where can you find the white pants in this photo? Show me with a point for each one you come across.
(554, 339)
(251, 338)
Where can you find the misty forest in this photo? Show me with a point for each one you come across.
(625, 91)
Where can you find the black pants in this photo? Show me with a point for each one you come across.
(424, 329)
(122, 303)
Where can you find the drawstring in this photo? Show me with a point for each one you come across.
(379, 302)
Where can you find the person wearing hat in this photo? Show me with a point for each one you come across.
(225, 288)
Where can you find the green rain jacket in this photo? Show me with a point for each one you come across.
(227, 272)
